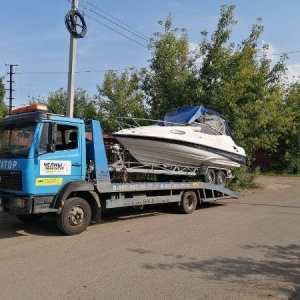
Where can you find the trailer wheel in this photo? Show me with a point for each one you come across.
(29, 219)
(188, 202)
(210, 176)
(221, 178)
(75, 216)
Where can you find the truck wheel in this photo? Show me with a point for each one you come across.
(210, 176)
(75, 216)
(221, 178)
(29, 219)
(188, 202)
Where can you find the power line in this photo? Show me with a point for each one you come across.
(136, 32)
(132, 30)
(117, 32)
(116, 70)
(129, 28)
(278, 54)
(78, 72)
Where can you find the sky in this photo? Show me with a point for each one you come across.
(34, 36)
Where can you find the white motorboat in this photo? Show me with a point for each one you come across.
(193, 136)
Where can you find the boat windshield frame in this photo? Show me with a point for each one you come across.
(213, 121)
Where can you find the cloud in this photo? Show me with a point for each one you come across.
(193, 46)
(271, 50)
(293, 72)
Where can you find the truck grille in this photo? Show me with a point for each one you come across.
(11, 180)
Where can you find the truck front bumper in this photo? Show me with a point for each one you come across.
(18, 205)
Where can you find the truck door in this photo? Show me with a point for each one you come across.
(59, 157)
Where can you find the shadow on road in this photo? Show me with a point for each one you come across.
(11, 227)
(279, 271)
(261, 204)
(115, 215)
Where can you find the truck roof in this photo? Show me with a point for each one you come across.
(34, 113)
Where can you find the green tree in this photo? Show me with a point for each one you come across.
(119, 96)
(236, 80)
(247, 90)
(3, 107)
(84, 107)
(170, 82)
(287, 158)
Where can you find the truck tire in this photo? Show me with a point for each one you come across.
(29, 219)
(188, 202)
(75, 216)
(221, 178)
(210, 176)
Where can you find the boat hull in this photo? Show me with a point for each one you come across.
(160, 150)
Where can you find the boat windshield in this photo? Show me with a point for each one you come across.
(16, 139)
(213, 121)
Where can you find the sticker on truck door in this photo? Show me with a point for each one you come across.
(48, 181)
(55, 167)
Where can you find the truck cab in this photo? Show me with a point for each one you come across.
(40, 154)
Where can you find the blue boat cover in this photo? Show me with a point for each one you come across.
(188, 114)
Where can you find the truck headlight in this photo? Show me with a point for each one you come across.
(19, 202)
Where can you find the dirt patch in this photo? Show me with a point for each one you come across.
(271, 183)
(277, 182)
(277, 186)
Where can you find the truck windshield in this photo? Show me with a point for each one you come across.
(15, 139)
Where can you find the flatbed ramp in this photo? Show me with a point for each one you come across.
(143, 193)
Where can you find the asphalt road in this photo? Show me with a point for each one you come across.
(246, 248)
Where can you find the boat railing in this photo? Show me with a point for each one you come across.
(131, 122)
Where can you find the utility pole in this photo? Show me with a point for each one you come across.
(11, 90)
(72, 62)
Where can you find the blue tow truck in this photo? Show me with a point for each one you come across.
(48, 165)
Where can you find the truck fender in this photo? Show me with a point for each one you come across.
(82, 188)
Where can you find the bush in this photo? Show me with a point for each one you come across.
(244, 178)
